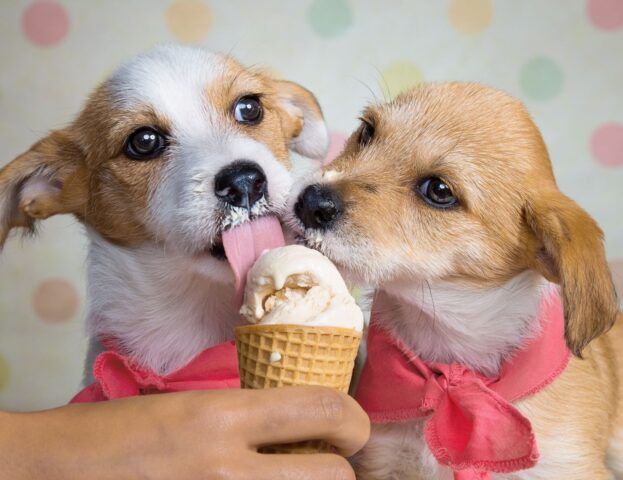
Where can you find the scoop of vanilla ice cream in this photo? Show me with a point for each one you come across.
(298, 285)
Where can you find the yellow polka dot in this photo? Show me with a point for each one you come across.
(357, 294)
(189, 20)
(400, 76)
(470, 16)
(5, 372)
(55, 300)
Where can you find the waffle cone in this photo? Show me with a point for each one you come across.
(304, 356)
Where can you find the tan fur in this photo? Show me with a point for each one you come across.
(110, 192)
(511, 218)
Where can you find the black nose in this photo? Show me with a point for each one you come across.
(318, 206)
(240, 184)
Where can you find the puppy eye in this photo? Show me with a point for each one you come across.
(144, 144)
(367, 133)
(248, 110)
(437, 193)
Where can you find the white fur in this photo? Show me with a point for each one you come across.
(173, 81)
(443, 322)
(185, 211)
(157, 303)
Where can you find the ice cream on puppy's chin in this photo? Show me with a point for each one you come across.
(299, 286)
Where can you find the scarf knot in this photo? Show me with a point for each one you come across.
(118, 376)
(471, 425)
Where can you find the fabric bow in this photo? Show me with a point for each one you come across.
(471, 427)
(118, 376)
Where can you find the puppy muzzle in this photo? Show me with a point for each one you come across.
(319, 207)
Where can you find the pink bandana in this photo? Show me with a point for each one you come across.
(472, 427)
(118, 376)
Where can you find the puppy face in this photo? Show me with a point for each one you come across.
(179, 144)
(453, 183)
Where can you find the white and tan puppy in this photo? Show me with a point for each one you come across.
(178, 145)
(445, 201)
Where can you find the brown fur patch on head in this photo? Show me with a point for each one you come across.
(119, 188)
(291, 112)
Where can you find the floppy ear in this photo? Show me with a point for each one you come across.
(302, 120)
(48, 179)
(572, 255)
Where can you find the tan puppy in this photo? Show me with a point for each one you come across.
(445, 201)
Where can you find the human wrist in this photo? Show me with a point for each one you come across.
(23, 441)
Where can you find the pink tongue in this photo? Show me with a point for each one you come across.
(245, 243)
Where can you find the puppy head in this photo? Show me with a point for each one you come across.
(179, 144)
(453, 182)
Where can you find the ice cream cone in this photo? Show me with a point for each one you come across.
(294, 355)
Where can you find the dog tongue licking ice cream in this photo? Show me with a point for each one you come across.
(245, 243)
(305, 327)
(299, 286)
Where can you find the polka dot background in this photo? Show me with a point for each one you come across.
(470, 17)
(607, 144)
(55, 301)
(563, 59)
(541, 78)
(329, 18)
(400, 76)
(188, 20)
(45, 23)
(606, 14)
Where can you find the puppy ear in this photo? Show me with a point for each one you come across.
(302, 120)
(48, 179)
(572, 254)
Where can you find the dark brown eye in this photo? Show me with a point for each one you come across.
(248, 110)
(144, 144)
(437, 193)
(367, 133)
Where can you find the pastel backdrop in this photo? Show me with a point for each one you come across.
(563, 58)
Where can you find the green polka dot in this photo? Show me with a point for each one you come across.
(5, 372)
(330, 18)
(400, 76)
(541, 78)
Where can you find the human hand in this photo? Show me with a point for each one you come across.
(187, 436)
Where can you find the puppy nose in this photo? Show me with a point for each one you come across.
(318, 206)
(240, 184)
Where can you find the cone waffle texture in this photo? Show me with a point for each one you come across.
(300, 355)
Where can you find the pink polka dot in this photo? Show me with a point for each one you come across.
(45, 23)
(55, 300)
(605, 14)
(607, 145)
(336, 144)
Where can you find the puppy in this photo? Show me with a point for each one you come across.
(444, 200)
(179, 145)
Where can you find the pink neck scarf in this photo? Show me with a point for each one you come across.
(117, 376)
(472, 427)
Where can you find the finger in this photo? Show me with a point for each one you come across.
(320, 466)
(293, 414)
